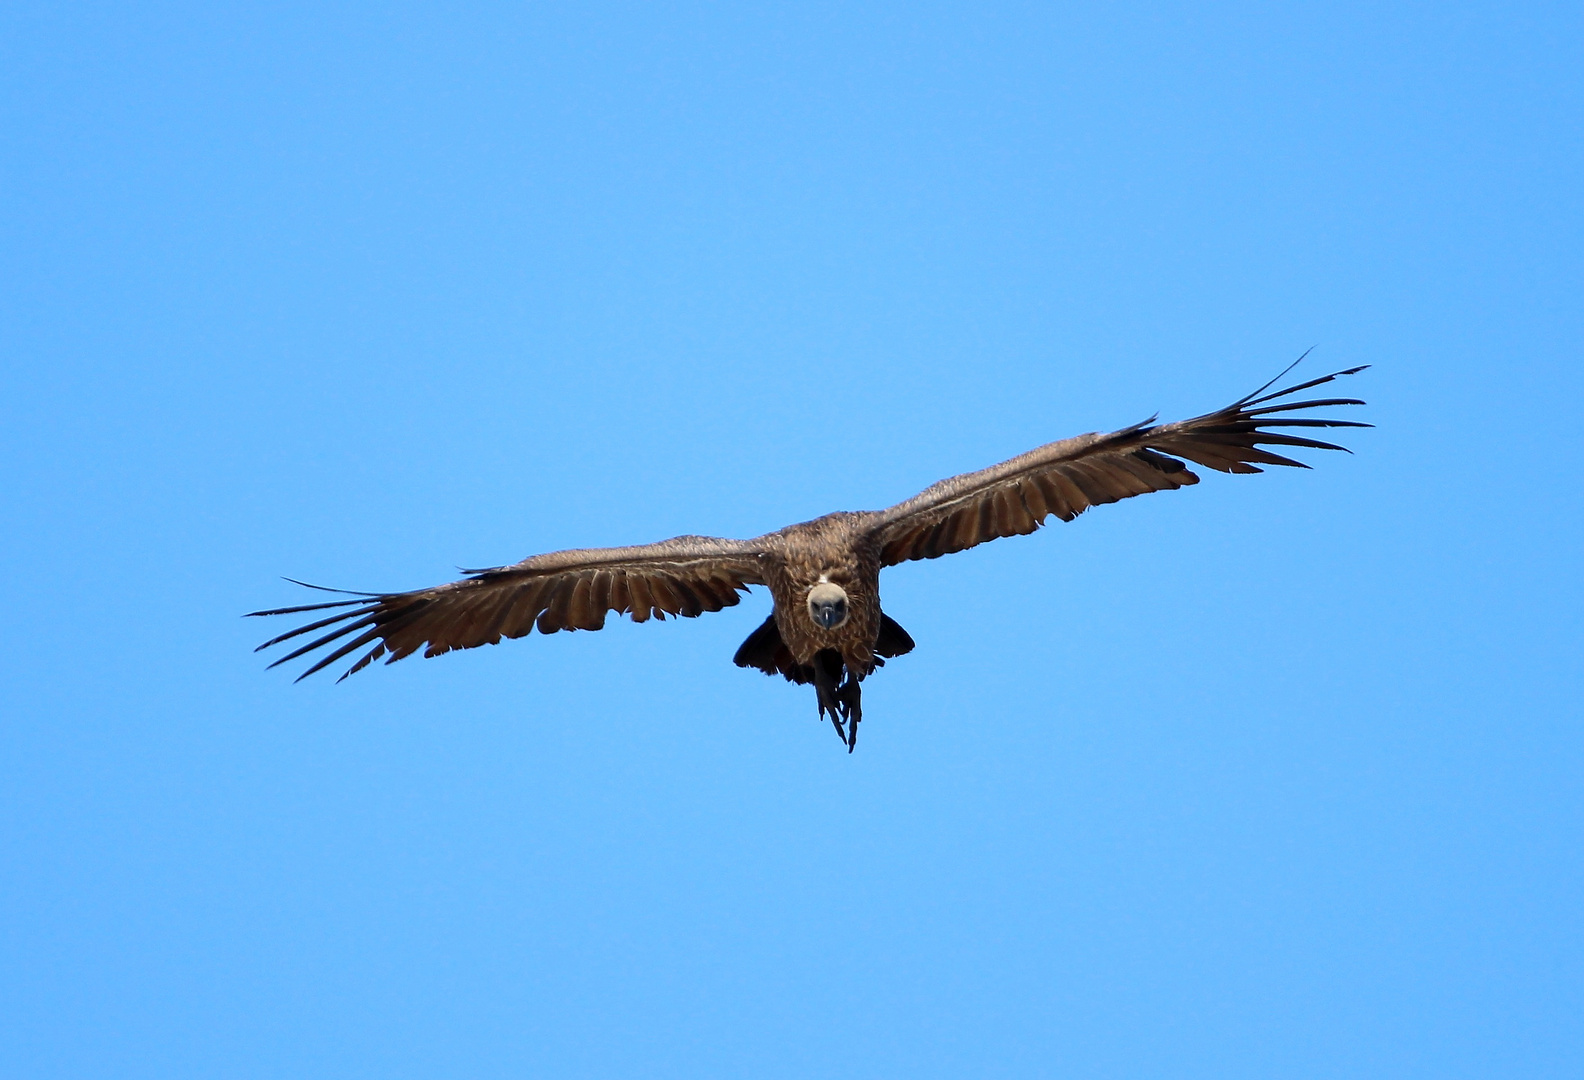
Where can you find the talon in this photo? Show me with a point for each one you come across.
(849, 698)
(828, 695)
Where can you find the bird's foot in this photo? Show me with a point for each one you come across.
(850, 697)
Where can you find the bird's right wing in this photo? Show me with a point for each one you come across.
(1066, 478)
(563, 590)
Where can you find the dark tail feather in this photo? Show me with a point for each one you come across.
(765, 650)
(893, 640)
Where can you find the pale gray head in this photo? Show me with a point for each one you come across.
(827, 605)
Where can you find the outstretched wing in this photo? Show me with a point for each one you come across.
(1066, 478)
(564, 590)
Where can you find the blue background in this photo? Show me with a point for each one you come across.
(1279, 776)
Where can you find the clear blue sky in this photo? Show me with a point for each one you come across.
(1276, 777)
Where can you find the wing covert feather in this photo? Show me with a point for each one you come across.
(1066, 478)
(561, 590)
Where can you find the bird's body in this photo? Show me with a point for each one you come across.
(827, 626)
(832, 550)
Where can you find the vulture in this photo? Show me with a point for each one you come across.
(827, 627)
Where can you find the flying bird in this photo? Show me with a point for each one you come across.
(827, 627)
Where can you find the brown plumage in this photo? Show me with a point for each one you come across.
(824, 575)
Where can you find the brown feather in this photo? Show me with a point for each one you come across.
(641, 604)
(1034, 499)
(665, 594)
(600, 590)
(554, 616)
(1056, 497)
(689, 604)
(1069, 492)
(620, 598)
(520, 617)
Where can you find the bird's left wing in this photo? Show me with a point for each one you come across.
(1066, 478)
(563, 590)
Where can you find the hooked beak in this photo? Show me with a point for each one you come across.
(829, 614)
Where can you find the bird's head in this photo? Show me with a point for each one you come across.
(827, 605)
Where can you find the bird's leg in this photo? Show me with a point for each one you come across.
(825, 692)
(850, 694)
